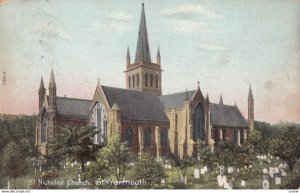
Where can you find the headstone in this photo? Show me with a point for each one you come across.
(182, 179)
(285, 166)
(269, 161)
(230, 184)
(258, 157)
(271, 172)
(265, 170)
(196, 173)
(40, 168)
(163, 181)
(88, 163)
(8, 184)
(64, 167)
(220, 180)
(202, 171)
(237, 170)
(260, 163)
(226, 185)
(280, 166)
(276, 172)
(221, 170)
(243, 183)
(277, 158)
(79, 179)
(297, 171)
(205, 169)
(230, 170)
(169, 166)
(35, 170)
(271, 157)
(283, 173)
(269, 154)
(72, 165)
(75, 163)
(266, 184)
(250, 166)
(277, 180)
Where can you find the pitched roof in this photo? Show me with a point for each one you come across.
(142, 47)
(226, 116)
(175, 100)
(136, 105)
(73, 108)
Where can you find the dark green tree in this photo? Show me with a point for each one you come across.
(13, 163)
(118, 156)
(204, 156)
(76, 143)
(97, 170)
(286, 145)
(149, 169)
(183, 164)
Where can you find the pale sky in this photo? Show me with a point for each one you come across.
(226, 45)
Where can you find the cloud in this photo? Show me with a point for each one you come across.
(52, 31)
(191, 9)
(209, 47)
(121, 17)
(191, 26)
(109, 27)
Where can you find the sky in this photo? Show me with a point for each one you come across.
(226, 45)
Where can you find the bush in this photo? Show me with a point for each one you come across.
(291, 183)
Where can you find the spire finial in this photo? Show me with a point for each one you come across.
(198, 85)
(221, 100)
(52, 79)
(186, 95)
(250, 95)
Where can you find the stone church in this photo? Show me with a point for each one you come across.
(140, 114)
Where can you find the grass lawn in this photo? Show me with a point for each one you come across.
(205, 182)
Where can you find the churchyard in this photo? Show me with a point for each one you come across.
(268, 168)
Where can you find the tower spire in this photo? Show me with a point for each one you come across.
(128, 56)
(42, 87)
(250, 109)
(142, 41)
(158, 56)
(221, 100)
(250, 95)
(52, 80)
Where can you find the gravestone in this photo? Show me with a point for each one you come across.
(221, 170)
(269, 161)
(40, 168)
(277, 180)
(35, 170)
(269, 154)
(265, 170)
(266, 184)
(72, 165)
(205, 169)
(280, 166)
(250, 166)
(271, 172)
(276, 172)
(220, 180)
(169, 166)
(230, 184)
(202, 172)
(277, 158)
(79, 179)
(260, 163)
(271, 157)
(88, 163)
(243, 183)
(75, 163)
(196, 173)
(163, 181)
(283, 173)
(226, 185)
(230, 170)
(238, 170)
(183, 179)
(285, 166)
(8, 184)
(258, 157)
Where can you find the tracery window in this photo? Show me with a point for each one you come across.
(44, 126)
(198, 123)
(129, 137)
(147, 137)
(99, 120)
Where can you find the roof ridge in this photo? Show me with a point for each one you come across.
(74, 98)
(127, 90)
(178, 93)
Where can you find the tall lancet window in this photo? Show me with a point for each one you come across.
(133, 81)
(137, 80)
(156, 81)
(164, 137)
(147, 137)
(44, 126)
(146, 80)
(151, 80)
(198, 123)
(99, 120)
(129, 137)
(235, 137)
(129, 82)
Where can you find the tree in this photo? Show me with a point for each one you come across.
(226, 154)
(286, 145)
(183, 164)
(149, 169)
(118, 156)
(246, 154)
(204, 156)
(98, 170)
(12, 161)
(76, 143)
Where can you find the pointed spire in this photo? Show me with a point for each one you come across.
(52, 80)
(221, 100)
(158, 56)
(128, 54)
(250, 95)
(142, 41)
(198, 85)
(42, 83)
(207, 97)
(186, 95)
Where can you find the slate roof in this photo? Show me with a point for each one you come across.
(136, 105)
(226, 116)
(73, 108)
(175, 100)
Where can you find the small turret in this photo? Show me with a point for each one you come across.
(128, 57)
(42, 93)
(158, 56)
(52, 93)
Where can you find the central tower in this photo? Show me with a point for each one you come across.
(143, 74)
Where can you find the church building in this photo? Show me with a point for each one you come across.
(147, 120)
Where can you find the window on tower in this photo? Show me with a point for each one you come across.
(146, 80)
(156, 81)
(133, 81)
(151, 80)
(137, 80)
(129, 82)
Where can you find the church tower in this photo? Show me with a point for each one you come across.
(250, 109)
(52, 106)
(143, 74)
(42, 93)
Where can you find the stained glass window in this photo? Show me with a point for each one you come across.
(198, 123)
(129, 137)
(164, 137)
(147, 137)
(44, 125)
(99, 120)
(234, 138)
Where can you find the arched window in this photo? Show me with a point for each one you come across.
(234, 137)
(216, 135)
(129, 82)
(133, 81)
(224, 134)
(198, 123)
(44, 126)
(137, 80)
(156, 81)
(146, 80)
(164, 137)
(241, 136)
(129, 137)
(147, 137)
(151, 80)
(99, 120)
